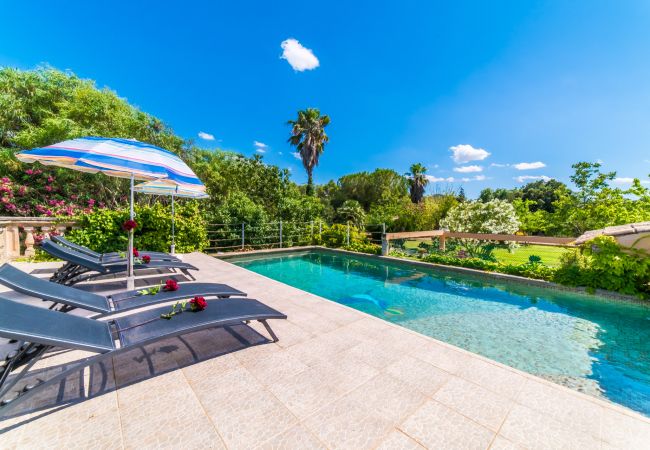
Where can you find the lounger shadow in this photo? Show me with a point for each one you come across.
(79, 264)
(70, 297)
(43, 328)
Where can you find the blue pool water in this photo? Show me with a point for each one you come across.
(598, 346)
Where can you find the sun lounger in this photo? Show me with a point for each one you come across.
(41, 328)
(71, 298)
(79, 264)
(109, 257)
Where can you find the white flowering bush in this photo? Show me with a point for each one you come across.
(496, 217)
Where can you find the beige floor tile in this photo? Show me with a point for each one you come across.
(388, 397)
(151, 409)
(396, 440)
(501, 443)
(490, 376)
(475, 402)
(249, 421)
(94, 423)
(625, 432)
(297, 437)
(418, 374)
(347, 424)
(275, 366)
(437, 426)
(374, 354)
(441, 356)
(574, 411)
(535, 430)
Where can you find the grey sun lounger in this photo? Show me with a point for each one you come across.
(79, 264)
(41, 328)
(71, 298)
(109, 257)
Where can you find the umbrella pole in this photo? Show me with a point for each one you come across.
(130, 280)
(173, 246)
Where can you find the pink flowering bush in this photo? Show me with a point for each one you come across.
(34, 193)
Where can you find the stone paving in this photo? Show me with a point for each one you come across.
(337, 378)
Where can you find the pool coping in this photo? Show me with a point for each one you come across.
(477, 272)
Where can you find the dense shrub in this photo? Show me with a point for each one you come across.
(102, 230)
(336, 236)
(364, 247)
(602, 264)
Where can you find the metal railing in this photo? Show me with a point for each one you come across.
(230, 237)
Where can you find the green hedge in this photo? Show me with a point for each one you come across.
(102, 230)
(599, 264)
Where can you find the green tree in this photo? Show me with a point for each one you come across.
(543, 194)
(351, 211)
(309, 138)
(381, 187)
(417, 181)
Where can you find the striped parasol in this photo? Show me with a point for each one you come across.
(124, 158)
(164, 186)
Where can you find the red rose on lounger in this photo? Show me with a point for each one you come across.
(198, 304)
(130, 225)
(171, 285)
(146, 259)
(136, 253)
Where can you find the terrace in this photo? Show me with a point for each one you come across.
(337, 378)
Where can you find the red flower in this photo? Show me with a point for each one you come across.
(171, 285)
(198, 304)
(136, 253)
(130, 225)
(146, 259)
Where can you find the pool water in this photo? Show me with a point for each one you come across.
(588, 343)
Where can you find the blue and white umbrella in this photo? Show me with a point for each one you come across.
(124, 158)
(165, 186)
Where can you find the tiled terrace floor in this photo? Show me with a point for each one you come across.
(336, 379)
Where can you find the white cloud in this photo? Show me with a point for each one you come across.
(499, 165)
(464, 153)
(524, 178)
(468, 169)
(529, 166)
(299, 57)
(206, 136)
(435, 179)
(260, 147)
(280, 153)
(296, 155)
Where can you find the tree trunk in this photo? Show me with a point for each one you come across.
(310, 184)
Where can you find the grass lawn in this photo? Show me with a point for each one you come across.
(550, 255)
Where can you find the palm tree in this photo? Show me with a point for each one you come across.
(308, 136)
(417, 181)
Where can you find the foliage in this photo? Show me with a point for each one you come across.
(364, 247)
(381, 187)
(495, 216)
(336, 235)
(602, 264)
(418, 181)
(351, 211)
(102, 231)
(309, 138)
(529, 269)
(46, 106)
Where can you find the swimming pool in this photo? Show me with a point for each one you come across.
(595, 345)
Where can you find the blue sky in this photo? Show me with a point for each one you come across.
(471, 89)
